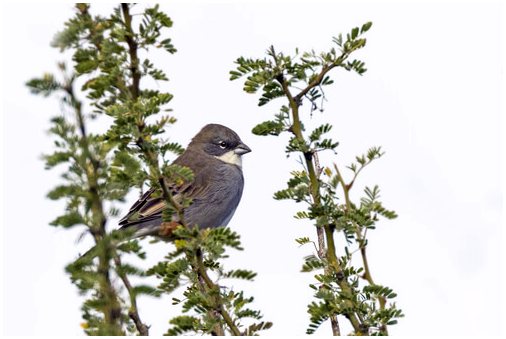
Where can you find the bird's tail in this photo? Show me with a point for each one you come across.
(127, 233)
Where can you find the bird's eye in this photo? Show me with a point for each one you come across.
(222, 144)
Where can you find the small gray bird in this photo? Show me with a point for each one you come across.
(214, 156)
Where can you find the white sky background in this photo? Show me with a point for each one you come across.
(431, 97)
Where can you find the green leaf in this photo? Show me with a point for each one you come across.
(68, 220)
(235, 75)
(168, 46)
(177, 174)
(338, 40)
(284, 194)
(87, 66)
(183, 324)
(302, 215)
(312, 263)
(252, 329)
(146, 290)
(365, 27)
(173, 147)
(268, 128)
(354, 33)
(326, 144)
(318, 314)
(303, 240)
(319, 131)
(44, 86)
(130, 270)
(57, 158)
(225, 236)
(297, 145)
(241, 274)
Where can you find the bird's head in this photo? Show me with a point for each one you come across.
(220, 142)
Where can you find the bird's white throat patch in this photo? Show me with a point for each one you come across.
(231, 158)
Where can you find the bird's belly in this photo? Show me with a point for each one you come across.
(229, 217)
(217, 208)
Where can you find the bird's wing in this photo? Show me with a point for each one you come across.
(148, 207)
(151, 204)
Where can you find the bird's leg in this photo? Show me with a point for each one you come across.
(166, 228)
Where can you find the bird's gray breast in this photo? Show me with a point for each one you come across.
(218, 202)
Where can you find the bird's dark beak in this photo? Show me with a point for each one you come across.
(242, 149)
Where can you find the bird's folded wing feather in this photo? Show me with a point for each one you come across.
(146, 208)
(151, 204)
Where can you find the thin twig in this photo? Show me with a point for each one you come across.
(212, 286)
(132, 49)
(357, 172)
(321, 242)
(133, 312)
(325, 69)
(296, 129)
(218, 327)
(336, 331)
(112, 311)
(360, 239)
(320, 231)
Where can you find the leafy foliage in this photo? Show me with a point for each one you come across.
(198, 253)
(307, 70)
(341, 288)
(100, 169)
(89, 182)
